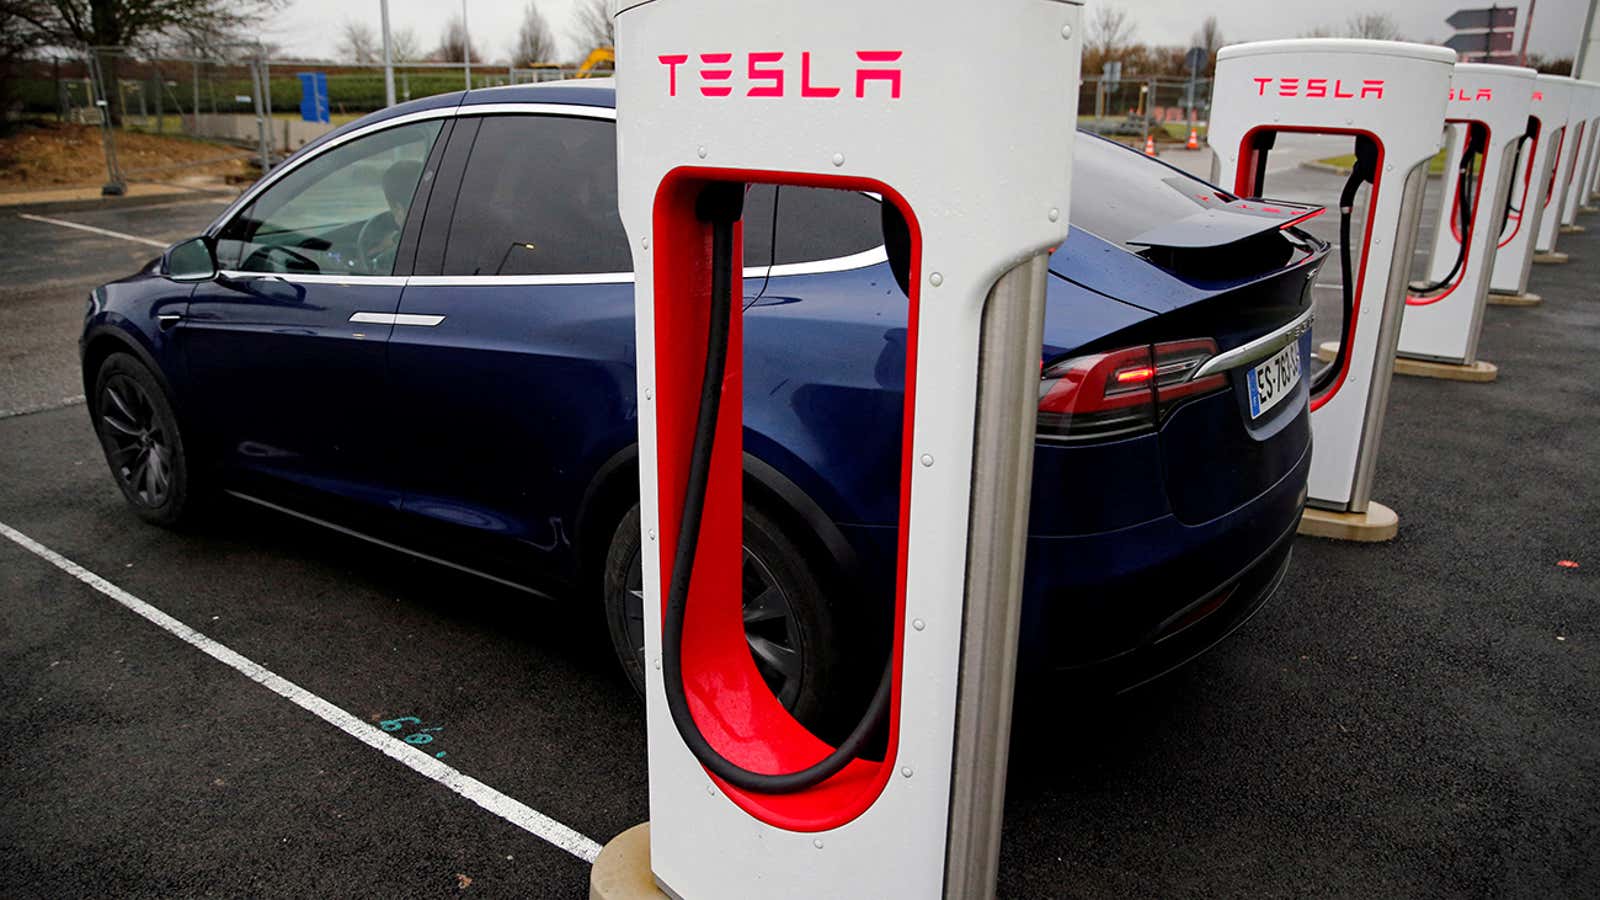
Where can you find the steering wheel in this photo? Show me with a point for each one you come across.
(264, 251)
(376, 230)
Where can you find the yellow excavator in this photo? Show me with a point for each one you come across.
(604, 58)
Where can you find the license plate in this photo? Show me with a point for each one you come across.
(1274, 380)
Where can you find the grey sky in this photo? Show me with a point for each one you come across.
(311, 27)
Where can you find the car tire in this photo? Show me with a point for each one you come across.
(790, 625)
(144, 447)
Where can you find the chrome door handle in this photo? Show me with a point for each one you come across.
(376, 318)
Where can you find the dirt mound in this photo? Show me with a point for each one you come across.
(50, 154)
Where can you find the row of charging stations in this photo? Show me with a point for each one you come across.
(744, 801)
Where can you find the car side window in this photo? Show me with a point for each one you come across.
(539, 197)
(341, 213)
(821, 223)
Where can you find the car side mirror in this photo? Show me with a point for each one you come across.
(191, 260)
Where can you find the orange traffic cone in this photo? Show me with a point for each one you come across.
(1194, 140)
(1150, 145)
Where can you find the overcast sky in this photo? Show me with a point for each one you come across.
(311, 27)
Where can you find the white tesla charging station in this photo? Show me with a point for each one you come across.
(1488, 118)
(862, 95)
(1560, 93)
(1535, 170)
(1391, 99)
(1585, 112)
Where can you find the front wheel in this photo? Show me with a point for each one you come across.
(789, 625)
(139, 433)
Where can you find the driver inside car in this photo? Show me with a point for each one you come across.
(380, 237)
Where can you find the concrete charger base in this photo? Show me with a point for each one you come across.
(1553, 258)
(1478, 372)
(622, 870)
(1523, 299)
(1379, 523)
(1573, 229)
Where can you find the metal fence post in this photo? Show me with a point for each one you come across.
(114, 186)
(261, 119)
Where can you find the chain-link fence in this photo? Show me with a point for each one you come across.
(236, 109)
(249, 108)
(1136, 106)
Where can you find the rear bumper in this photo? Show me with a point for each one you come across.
(1122, 607)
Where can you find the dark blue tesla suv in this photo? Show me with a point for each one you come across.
(418, 330)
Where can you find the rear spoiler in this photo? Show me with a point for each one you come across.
(1223, 219)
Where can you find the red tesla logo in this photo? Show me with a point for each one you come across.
(1320, 88)
(1465, 97)
(767, 75)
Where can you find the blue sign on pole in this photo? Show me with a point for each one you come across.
(314, 106)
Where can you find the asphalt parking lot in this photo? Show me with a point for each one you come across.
(1415, 718)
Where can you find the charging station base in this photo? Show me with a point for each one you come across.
(1587, 210)
(1379, 523)
(1553, 258)
(622, 870)
(1477, 372)
(1523, 299)
(1573, 229)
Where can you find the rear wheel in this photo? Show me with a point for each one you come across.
(139, 433)
(789, 625)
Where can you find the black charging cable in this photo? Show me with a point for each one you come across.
(1522, 145)
(1464, 180)
(721, 205)
(1365, 170)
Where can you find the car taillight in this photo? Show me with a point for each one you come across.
(1124, 391)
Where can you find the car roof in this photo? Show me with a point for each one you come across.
(575, 91)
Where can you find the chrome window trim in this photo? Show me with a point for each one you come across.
(1258, 349)
(521, 280)
(862, 260)
(305, 278)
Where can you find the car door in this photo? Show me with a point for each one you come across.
(285, 349)
(526, 384)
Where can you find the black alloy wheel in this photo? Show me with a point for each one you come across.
(139, 434)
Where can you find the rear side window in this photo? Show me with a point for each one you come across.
(818, 223)
(539, 197)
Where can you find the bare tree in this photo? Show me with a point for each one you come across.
(1377, 26)
(358, 42)
(126, 23)
(594, 28)
(404, 46)
(206, 25)
(1109, 32)
(1209, 39)
(18, 38)
(453, 46)
(1319, 31)
(536, 43)
(1549, 65)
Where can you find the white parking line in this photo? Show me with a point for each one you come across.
(93, 230)
(63, 403)
(528, 819)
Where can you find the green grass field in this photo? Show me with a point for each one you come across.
(1436, 167)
